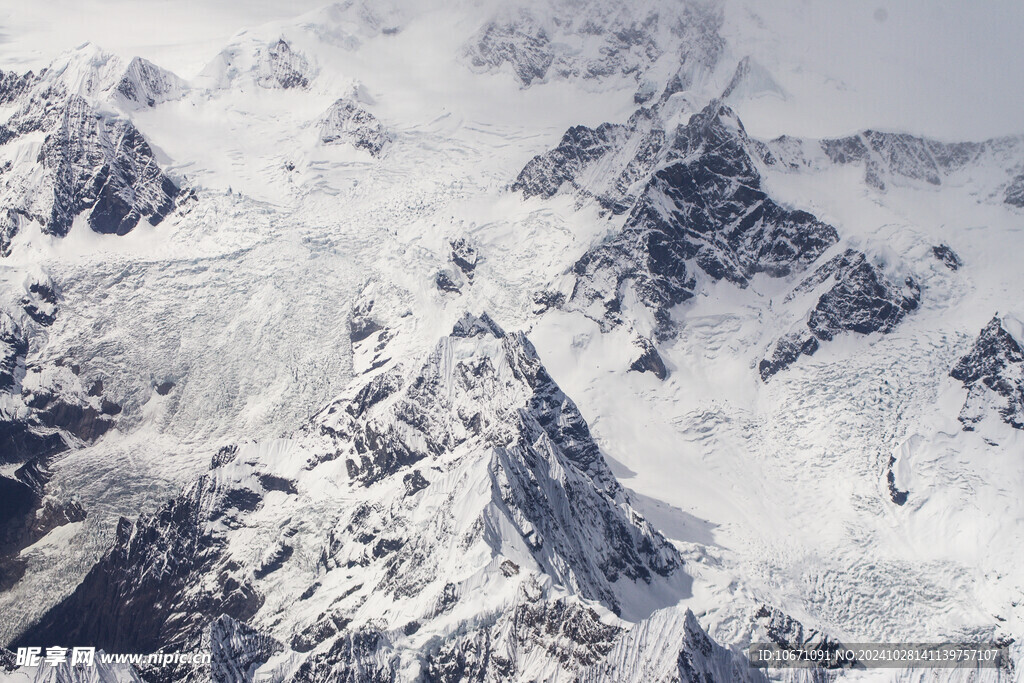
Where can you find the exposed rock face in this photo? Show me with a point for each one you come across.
(145, 84)
(142, 595)
(249, 61)
(8, 660)
(860, 299)
(392, 424)
(13, 86)
(369, 336)
(896, 494)
(899, 156)
(626, 152)
(993, 372)
(563, 630)
(775, 626)
(10, 224)
(597, 40)
(523, 44)
(40, 303)
(32, 421)
(786, 352)
(989, 169)
(281, 67)
(649, 360)
(445, 283)
(670, 646)
(91, 162)
(1014, 195)
(361, 323)
(948, 257)
(21, 441)
(27, 514)
(236, 650)
(707, 211)
(356, 656)
(480, 435)
(749, 79)
(702, 216)
(348, 123)
(13, 347)
(104, 166)
(465, 256)
(546, 173)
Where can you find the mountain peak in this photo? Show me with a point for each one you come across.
(469, 326)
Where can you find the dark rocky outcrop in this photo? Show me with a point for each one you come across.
(13, 85)
(902, 158)
(40, 303)
(897, 495)
(480, 403)
(1014, 195)
(348, 123)
(437, 409)
(281, 554)
(704, 211)
(81, 420)
(146, 84)
(91, 160)
(465, 256)
(281, 67)
(44, 426)
(13, 348)
(545, 174)
(750, 79)
(786, 352)
(886, 155)
(774, 626)
(649, 360)
(361, 323)
(993, 372)
(357, 656)
(272, 482)
(444, 283)
(21, 441)
(141, 595)
(948, 257)
(861, 299)
(8, 660)
(581, 147)
(568, 632)
(26, 515)
(596, 41)
(414, 482)
(33, 432)
(104, 166)
(521, 43)
(236, 649)
(317, 632)
(95, 163)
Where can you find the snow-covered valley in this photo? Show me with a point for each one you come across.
(446, 380)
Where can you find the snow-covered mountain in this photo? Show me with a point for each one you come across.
(474, 490)
(64, 156)
(484, 342)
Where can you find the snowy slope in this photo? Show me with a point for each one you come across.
(752, 331)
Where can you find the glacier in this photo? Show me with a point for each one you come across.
(477, 342)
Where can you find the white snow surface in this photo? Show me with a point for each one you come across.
(775, 493)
